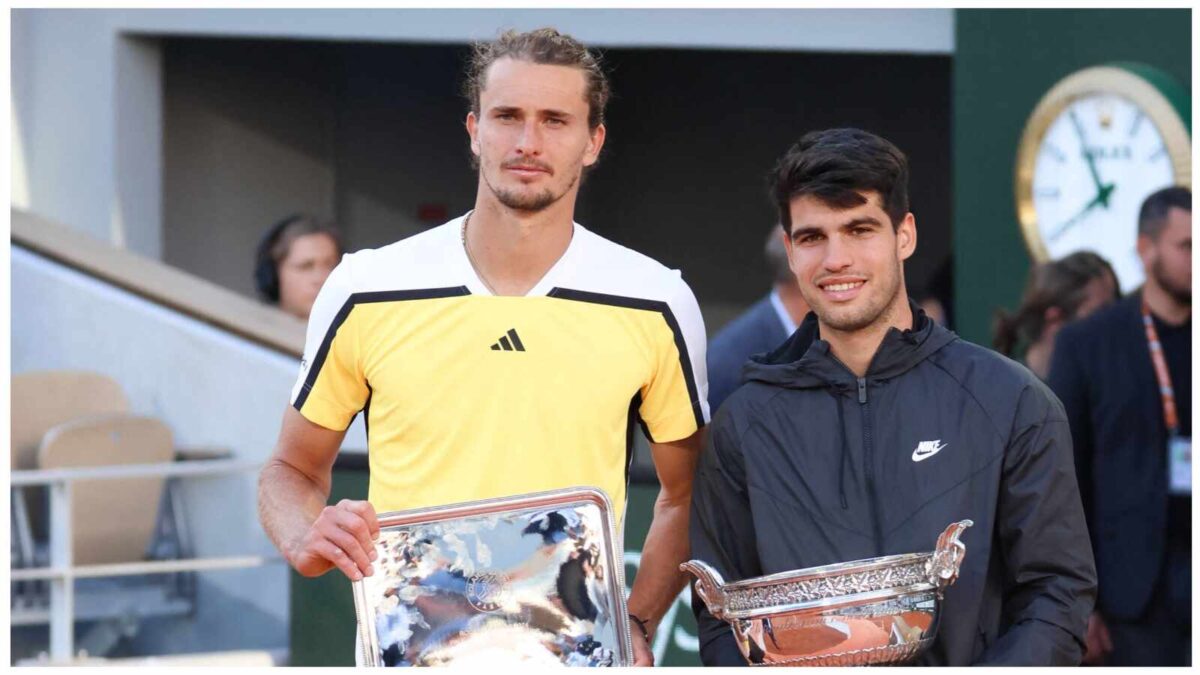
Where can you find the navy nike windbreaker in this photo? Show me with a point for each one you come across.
(808, 465)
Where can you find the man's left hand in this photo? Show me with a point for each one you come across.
(642, 656)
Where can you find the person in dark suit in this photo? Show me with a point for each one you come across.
(759, 329)
(1129, 407)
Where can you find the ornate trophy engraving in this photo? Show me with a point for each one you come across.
(878, 610)
(534, 579)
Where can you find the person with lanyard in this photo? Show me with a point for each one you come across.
(1124, 377)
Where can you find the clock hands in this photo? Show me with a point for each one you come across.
(1101, 198)
(1091, 161)
(1103, 191)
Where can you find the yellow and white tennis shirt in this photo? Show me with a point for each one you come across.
(469, 396)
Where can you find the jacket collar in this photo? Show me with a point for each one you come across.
(805, 360)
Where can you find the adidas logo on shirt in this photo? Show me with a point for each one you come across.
(510, 342)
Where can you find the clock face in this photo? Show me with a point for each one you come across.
(1097, 144)
(1099, 158)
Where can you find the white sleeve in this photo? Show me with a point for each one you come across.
(691, 324)
(674, 401)
(330, 389)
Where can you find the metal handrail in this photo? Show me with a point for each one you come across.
(147, 567)
(194, 467)
(62, 573)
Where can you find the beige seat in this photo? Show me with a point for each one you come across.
(42, 399)
(113, 519)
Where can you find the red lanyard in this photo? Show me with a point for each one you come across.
(1170, 415)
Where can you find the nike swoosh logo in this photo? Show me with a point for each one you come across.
(924, 452)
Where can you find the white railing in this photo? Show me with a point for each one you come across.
(61, 574)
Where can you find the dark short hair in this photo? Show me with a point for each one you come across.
(1153, 215)
(544, 46)
(836, 166)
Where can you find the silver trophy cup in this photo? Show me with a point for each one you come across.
(864, 612)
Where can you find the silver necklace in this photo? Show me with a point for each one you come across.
(471, 259)
(475, 265)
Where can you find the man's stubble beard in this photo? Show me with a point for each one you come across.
(524, 202)
(1180, 294)
(864, 318)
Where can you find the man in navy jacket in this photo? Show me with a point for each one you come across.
(1141, 528)
(872, 428)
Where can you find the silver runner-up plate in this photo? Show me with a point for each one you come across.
(536, 579)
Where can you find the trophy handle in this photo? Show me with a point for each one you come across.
(709, 584)
(943, 566)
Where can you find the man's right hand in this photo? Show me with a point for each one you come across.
(1099, 643)
(343, 536)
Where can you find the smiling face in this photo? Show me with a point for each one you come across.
(848, 262)
(531, 136)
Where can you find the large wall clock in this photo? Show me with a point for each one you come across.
(1096, 145)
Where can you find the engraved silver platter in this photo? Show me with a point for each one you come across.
(534, 579)
(864, 612)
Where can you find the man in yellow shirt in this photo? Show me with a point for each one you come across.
(509, 350)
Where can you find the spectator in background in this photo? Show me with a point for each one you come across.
(1124, 377)
(759, 329)
(292, 261)
(1057, 292)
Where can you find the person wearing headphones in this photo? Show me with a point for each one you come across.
(293, 259)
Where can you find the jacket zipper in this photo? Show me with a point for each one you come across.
(869, 471)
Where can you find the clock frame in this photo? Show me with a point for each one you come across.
(1162, 100)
